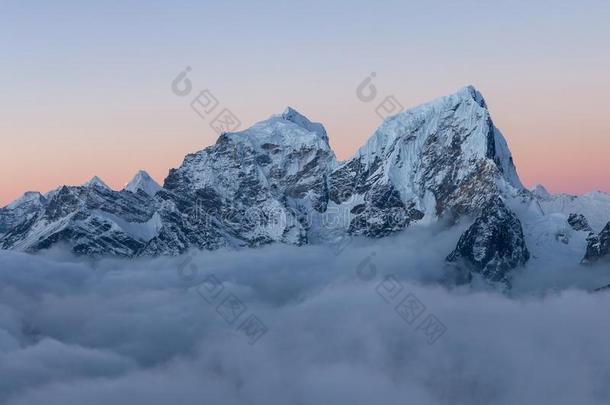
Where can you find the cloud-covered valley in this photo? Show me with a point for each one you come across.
(76, 331)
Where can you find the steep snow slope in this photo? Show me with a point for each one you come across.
(594, 206)
(546, 218)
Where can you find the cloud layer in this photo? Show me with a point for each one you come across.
(125, 332)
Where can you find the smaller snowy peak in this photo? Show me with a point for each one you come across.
(143, 181)
(28, 198)
(97, 183)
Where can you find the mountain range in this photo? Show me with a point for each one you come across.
(280, 182)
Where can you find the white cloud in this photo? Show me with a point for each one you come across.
(125, 332)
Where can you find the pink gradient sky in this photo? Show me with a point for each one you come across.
(84, 100)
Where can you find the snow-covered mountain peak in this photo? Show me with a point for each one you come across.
(29, 197)
(445, 157)
(96, 182)
(288, 131)
(292, 115)
(470, 92)
(463, 117)
(143, 181)
(459, 125)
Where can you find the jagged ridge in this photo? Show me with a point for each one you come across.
(279, 181)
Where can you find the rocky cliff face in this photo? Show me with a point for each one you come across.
(598, 247)
(494, 245)
(257, 186)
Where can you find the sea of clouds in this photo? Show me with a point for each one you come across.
(330, 329)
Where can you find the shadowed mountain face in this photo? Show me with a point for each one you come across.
(598, 246)
(279, 181)
(494, 244)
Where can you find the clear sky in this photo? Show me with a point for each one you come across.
(86, 87)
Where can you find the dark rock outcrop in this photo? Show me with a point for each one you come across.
(598, 247)
(579, 222)
(494, 245)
